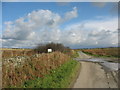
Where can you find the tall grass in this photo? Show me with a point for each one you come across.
(35, 67)
(58, 78)
(12, 53)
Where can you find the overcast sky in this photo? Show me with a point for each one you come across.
(77, 25)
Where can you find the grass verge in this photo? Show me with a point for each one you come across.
(59, 78)
(75, 54)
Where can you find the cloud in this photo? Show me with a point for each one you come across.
(115, 7)
(99, 4)
(71, 14)
(25, 27)
(92, 33)
(63, 3)
(40, 25)
(43, 26)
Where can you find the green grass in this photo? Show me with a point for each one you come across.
(75, 54)
(59, 78)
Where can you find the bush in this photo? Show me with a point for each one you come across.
(54, 47)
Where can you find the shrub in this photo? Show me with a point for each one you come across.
(54, 47)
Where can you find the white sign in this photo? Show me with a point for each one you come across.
(49, 50)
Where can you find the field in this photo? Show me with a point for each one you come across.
(8, 53)
(103, 52)
(23, 68)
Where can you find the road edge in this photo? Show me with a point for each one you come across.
(76, 76)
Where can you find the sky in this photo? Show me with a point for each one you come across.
(0, 15)
(74, 24)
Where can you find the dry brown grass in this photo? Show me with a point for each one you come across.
(33, 67)
(13, 53)
(17, 49)
(104, 51)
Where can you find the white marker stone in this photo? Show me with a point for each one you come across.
(49, 50)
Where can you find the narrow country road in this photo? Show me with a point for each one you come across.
(92, 75)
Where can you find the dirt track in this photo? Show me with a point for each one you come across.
(92, 75)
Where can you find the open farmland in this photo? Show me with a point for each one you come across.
(105, 52)
(8, 53)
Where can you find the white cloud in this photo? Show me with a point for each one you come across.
(99, 4)
(95, 33)
(71, 14)
(37, 27)
(43, 26)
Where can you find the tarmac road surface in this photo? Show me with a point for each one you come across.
(92, 75)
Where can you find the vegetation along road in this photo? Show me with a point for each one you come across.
(94, 75)
(0, 76)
